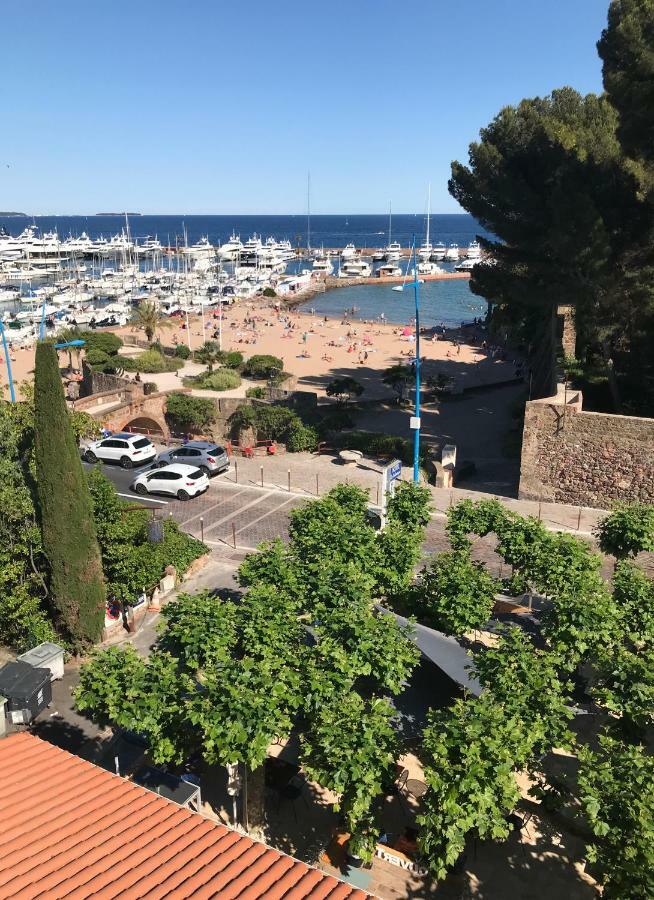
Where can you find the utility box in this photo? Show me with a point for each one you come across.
(28, 691)
(46, 656)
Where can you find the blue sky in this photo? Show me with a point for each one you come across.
(210, 106)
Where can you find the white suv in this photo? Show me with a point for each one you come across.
(180, 481)
(127, 449)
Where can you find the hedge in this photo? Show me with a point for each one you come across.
(150, 362)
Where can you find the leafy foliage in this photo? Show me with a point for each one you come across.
(471, 752)
(262, 365)
(400, 378)
(219, 380)
(147, 318)
(359, 734)
(454, 594)
(344, 389)
(617, 792)
(151, 361)
(69, 538)
(188, 413)
(628, 530)
(301, 438)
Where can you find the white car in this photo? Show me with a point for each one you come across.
(181, 481)
(127, 449)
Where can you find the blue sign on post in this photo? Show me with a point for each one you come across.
(395, 471)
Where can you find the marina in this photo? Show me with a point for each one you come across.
(93, 279)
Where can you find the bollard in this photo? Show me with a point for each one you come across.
(451, 498)
(261, 476)
(234, 535)
(236, 471)
(317, 491)
(202, 529)
(289, 481)
(579, 520)
(540, 508)
(377, 501)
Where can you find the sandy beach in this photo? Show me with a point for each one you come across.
(315, 349)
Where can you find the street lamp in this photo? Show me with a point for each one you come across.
(415, 420)
(12, 392)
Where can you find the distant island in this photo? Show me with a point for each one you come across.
(119, 214)
(16, 214)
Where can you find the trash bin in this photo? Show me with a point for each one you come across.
(46, 656)
(28, 691)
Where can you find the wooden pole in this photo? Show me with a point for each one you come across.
(234, 535)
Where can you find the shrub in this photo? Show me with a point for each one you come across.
(190, 413)
(220, 380)
(152, 362)
(269, 292)
(182, 351)
(271, 423)
(233, 359)
(257, 393)
(98, 359)
(101, 340)
(300, 437)
(262, 365)
(627, 531)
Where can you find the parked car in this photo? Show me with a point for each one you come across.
(181, 481)
(207, 456)
(127, 449)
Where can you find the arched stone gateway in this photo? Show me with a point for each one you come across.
(154, 428)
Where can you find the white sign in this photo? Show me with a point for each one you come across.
(414, 422)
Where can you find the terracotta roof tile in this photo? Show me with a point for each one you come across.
(72, 831)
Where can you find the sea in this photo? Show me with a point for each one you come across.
(446, 302)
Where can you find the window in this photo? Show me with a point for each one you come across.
(216, 451)
(195, 474)
(193, 453)
(142, 442)
(180, 453)
(121, 444)
(112, 443)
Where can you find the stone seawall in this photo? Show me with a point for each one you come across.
(585, 458)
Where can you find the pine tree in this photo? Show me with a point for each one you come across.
(69, 537)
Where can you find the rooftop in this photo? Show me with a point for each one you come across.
(73, 830)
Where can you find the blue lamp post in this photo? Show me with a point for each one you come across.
(415, 422)
(12, 392)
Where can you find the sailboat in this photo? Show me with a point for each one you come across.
(426, 248)
(393, 251)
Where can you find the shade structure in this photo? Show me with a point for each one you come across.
(444, 651)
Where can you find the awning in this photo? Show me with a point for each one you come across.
(444, 651)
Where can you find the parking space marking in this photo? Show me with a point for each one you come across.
(270, 512)
(140, 499)
(208, 509)
(241, 510)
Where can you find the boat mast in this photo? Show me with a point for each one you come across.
(428, 210)
(390, 219)
(308, 212)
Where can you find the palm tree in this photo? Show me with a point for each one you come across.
(147, 318)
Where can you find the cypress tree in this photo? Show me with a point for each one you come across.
(69, 537)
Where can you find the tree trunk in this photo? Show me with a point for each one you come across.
(254, 794)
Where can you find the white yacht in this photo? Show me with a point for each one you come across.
(355, 269)
(393, 252)
(438, 253)
(349, 251)
(466, 265)
(429, 268)
(474, 250)
(199, 248)
(452, 253)
(378, 255)
(389, 270)
(322, 265)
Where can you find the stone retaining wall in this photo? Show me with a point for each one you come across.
(585, 458)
